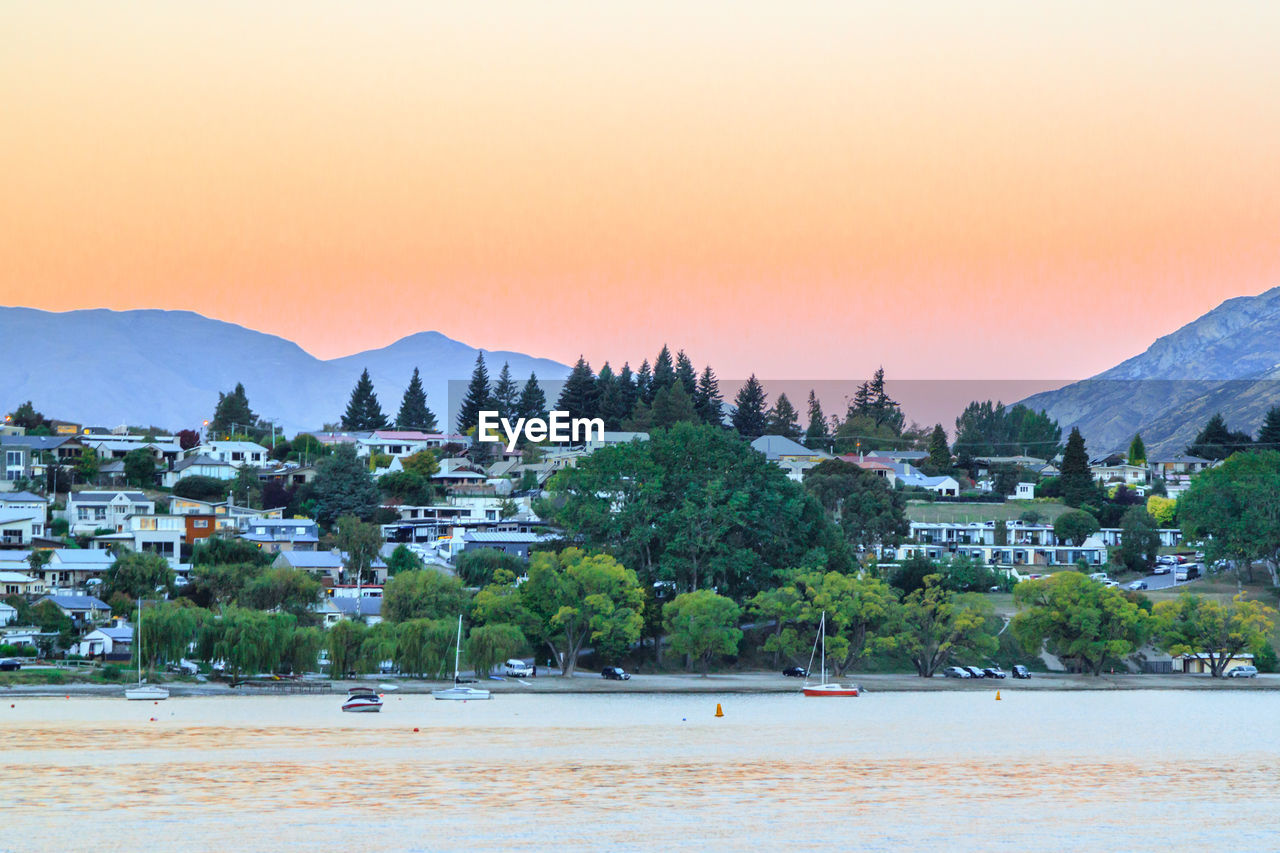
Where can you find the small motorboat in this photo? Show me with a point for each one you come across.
(461, 692)
(362, 700)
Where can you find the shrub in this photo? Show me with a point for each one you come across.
(111, 672)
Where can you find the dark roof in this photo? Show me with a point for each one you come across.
(76, 602)
(37, 442)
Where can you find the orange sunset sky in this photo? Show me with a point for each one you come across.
(953, 190)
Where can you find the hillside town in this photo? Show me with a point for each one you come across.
(368, 529)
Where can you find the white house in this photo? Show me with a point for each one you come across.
(8, 613)
(20, 526)
(37, 505)
(199, 466)
(73, 567)
(90, 511)
(19, 583)
(115, 640)
(79, 607)
(1024, 492)
(274, 535)
(237, 453)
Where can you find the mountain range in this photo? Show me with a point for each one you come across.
(165, 368)
(1227, 361)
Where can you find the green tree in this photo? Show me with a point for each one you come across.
(168, 629)
(201, 488)
(609, 398)
(686, 375)
(1139, 540)
(1212, 631)
(868, 511)
(1075, 527)
(345, 642)
(403, 560)
(783, 419)
(477, 396)
(139, 574)
(532, 402)
(939, 452)
(1075, 480)
(750, 418)
(284, 588)
(343, 486)
(425, 594)
(360, 544)
(424, 646)
(1216, 441)
(224, 550)
(220, 584)
(580, 397)
(862, 616)
(784, 607)
(1078, 620)
(1269, 433)
(246, 488)
(938, 624)
(628, 394)
(478, 566)
(644, 383)
(1235, 510)
(89, 465)
(140, 468)
(505, 393)
(664, 374)
(580, 598)
(707, 398)
(408, 487)
(816, 433)
(232, 414)
(363, 411)
(26, 416)
(489, 645)
(414, 413)
(1137, 451)
(702, 625)
(671, 405)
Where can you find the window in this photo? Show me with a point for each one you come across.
(201, 523)
(99, 513)
(82, 513)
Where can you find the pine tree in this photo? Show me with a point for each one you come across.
(1216, 441)
(477, 397)
(1137, 451)
(627, 392)
(609, 398)
(1269, 435)
(707, 398)
(784, 419)
(414, 413)
(232, 413)
(580, 397)
(883, 409)
(672, 406)
(750, 419)
(939, 452)
(1075, 481)
(816, 433)
(644, 384)
(861, 404)
(686, 375)
(505, 393)
(363, 411)
(663, 373)
(532, 402)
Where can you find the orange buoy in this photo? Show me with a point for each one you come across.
(997, 695)
(719, 710)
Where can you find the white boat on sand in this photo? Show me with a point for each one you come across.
(460, 692)
(143, 691)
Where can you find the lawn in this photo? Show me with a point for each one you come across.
(964, 513)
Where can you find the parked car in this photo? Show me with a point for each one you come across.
(975, 672)
(1110, 584)
(517, 668)
(1020, 671)
(993, 672)
(1243, 672)
(1162, 569)
(10, 665)
(1100, 577)
(956, 672)
(796, 672)
(1136, 585)
(615, 673)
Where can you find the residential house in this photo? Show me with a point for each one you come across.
(81, 608)
(74, 567)
(1177, 471)
(110, 642)
(398, 443)
(1024, 492)
(19, 583)
(1114, 468)
(1199, 664)
(1170, 537)
(791, 456)
(290, 475)
(95, 510)
(27, 457)
(458, 472)
(198, 466)
(150, 534)
(237, 453)
(330, 566)
(8, 613)
(986, 466)
(884, 468)
(274, 535)
(1025, 544)
(165, 450)
(18, 527)
(516, 544)
(334, 609)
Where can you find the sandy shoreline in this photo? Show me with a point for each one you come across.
(590, 683)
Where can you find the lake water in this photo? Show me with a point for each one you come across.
(952, 770)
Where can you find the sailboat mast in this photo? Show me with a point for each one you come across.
(822, 632)
(139, 640)
(457, 650)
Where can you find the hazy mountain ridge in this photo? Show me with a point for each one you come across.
(1226, 360)
(166, 368)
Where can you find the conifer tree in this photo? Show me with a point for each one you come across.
(414, 413)
(580, 397)
(609, 397)
(784, 419)
(505, 393)
(1137, 451)
(672, 406)
(363, 411)
(663, 373)
(1075, 481)
(232, 413)
(707, 398)
(884, 410)
(939, 452)
(627, 392)
(816, 432)
(686, 375)
(532, 402)
(750, 419)
(477, 397)
(1216, 441)
(644, 383)
(1269, 434)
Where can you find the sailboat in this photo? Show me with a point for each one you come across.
(824, 687)
(460, 691)
(142, 690)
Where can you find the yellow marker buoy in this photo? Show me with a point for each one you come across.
(997, 695)
(719, 710)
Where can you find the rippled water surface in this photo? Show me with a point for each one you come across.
(959, 771)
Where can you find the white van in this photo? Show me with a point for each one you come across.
(517, 668)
